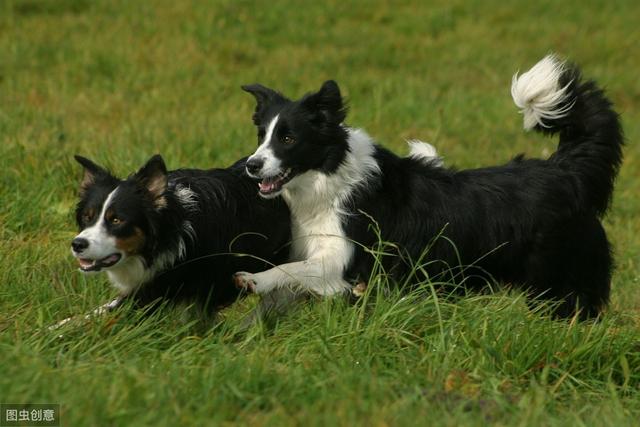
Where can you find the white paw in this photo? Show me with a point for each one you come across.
(60, 324)
(245, 281)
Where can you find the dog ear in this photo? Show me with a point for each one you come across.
(91, 172)
(153, 176)
(328, 102)
(264, 96)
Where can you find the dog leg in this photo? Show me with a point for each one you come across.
(317, 275)
(98, 311)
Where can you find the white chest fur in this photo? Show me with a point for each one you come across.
(317, 203)
(316, 227)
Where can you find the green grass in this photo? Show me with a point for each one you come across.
(119, 81)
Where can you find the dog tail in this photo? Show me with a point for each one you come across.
(554, 99)
(425, 152)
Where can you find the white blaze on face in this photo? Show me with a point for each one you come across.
(272, 166)
(101, 243)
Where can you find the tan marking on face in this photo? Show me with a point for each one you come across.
(133, 244)
(109, 215)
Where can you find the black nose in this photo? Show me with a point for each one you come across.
(254, 165)
(79, 244)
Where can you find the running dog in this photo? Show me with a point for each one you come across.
(531, 223)
(176, 236)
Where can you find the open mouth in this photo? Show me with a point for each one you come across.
(99, 264)
(273, 185)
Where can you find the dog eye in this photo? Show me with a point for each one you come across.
(115, 220)
(288, 140)
(86, 218)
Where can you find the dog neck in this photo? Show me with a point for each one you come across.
(313, 192)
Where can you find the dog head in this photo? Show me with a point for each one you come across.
(296, 136)
(116, 217)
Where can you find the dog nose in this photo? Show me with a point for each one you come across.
(79, 244)
(254, 165)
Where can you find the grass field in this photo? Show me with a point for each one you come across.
(118, 81)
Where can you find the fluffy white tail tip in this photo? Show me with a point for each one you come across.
(424, 151)
(538, 93)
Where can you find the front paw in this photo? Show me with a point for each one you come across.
(245, 281)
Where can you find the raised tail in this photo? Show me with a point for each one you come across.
(553, 99)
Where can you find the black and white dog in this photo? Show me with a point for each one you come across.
(175, 236)
(532, 223)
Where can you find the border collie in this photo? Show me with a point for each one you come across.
(176, 236)
(531, 223)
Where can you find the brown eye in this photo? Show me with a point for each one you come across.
(288, 140)
(115, 220)
(86, 218)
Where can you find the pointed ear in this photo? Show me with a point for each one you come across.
(153, 176)
(328, 102)
(91, 172)
(264, 97)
